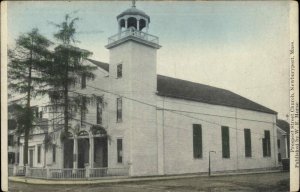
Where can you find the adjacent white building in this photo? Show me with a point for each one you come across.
(154, 124)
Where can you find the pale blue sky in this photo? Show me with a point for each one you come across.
(240, 46)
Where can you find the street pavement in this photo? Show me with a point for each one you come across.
(273, 182)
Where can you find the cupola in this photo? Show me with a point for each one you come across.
(133, 18)
(133, 24)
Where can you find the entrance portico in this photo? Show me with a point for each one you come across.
(86, 148)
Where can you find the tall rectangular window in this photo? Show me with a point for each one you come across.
(225, 142)
(119, 150)
(10, 140)
(119, 71)
(266, 144)
(119, 109)
(278, 143)
(54, 153)
(279, 157)
(99, 110)
(83, 81)
(83, 111)
(41, 114)
(197, 141)
(18, 158)
(39, 154)
(247, 136)
(11, 157)
(35, 111)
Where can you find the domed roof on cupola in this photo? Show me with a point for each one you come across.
(133, 11)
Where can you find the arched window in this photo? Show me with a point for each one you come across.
(142, 23)
(69, 135)
(98, 131)
(132, 22)
(83, 134)
(122, 22)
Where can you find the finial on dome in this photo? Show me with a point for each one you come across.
(133, 3)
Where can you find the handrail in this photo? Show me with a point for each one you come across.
(71, 173)
(134, 33)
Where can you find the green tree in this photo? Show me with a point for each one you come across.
(68, 71)
(26, 64)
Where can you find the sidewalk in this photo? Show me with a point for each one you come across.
(109, 180)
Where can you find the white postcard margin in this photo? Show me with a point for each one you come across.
(4, 167)
(294, 96)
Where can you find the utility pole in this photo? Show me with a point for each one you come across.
(209, 171)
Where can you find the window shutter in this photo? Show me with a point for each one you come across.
(39, 154)
(225, 142)
(267, 144)
(279, 157)
(99, 110)
(120, 150)
(247, 134)
(264, 147)
(83, 111)
(119, 71)
(119, 109)
(197, 140)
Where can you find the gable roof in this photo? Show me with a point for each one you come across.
(182, 89)
(285, 126)
(177, 88)
(102, 65)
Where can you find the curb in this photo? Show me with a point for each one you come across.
(123, 180)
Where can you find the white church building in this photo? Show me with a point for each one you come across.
(150, 124)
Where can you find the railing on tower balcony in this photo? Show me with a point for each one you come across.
(134, 33)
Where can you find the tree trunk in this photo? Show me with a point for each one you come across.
(28, 123)
(66, 96)
(25, 153)
(66, 109)
(28, 111)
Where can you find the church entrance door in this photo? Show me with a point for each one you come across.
(83, 152)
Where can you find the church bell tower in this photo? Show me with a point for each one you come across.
(133, 52)
(132, 75)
